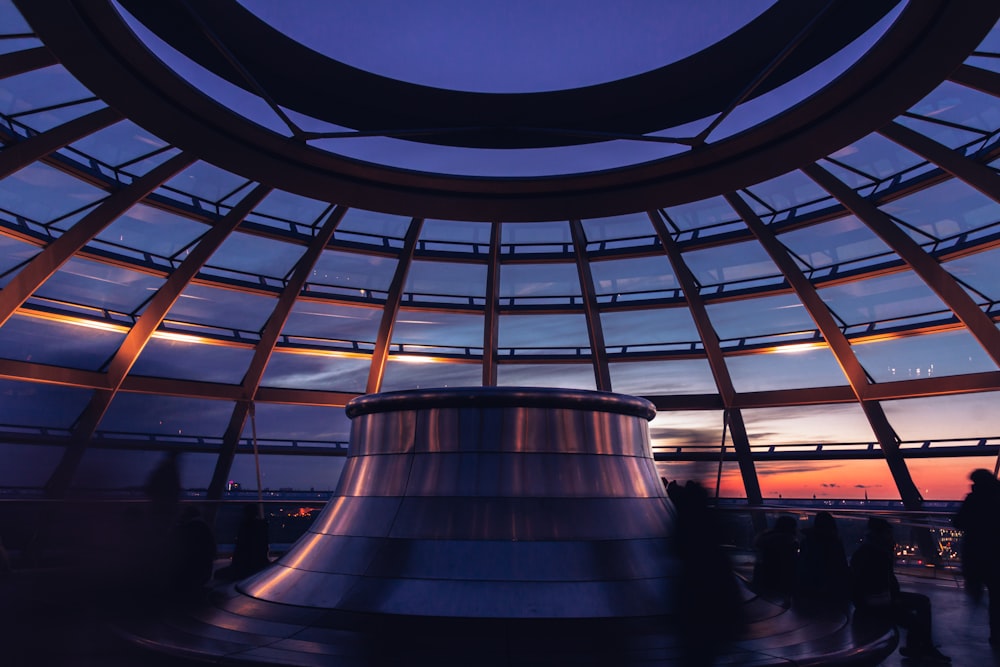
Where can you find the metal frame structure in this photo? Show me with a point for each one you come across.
(917, 53)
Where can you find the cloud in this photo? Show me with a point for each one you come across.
(830, 485)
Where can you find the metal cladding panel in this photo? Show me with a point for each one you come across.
(361, 516)
(522, 561)
(431, 518)
(489, 503)
(511, 599)
(530, 475)
(375, 475)
(299, 587)
(345, 555)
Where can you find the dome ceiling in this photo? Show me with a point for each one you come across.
(808, 289)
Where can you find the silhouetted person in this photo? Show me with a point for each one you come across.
(709, 603)
(163, 490)
(876, 595)
(979, 520)
(823, 574)
(776, 567)
(190, 553)
(250, 553)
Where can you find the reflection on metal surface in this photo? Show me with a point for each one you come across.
(489, 502)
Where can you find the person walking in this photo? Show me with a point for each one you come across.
(979, 520)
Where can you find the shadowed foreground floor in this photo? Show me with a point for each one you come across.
(42, 626)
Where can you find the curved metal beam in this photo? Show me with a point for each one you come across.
(921, 48)
(975, 174)
(839, 345)
(716, 361)
(392, 300)
(265, 348)
(595, 331)
(21, 152)
(28, 60)
(59, 251)
(940, 281)
(140, 334)
(491, 323)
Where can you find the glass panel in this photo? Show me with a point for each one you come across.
(802, 367)
(71, 343)
(945, 210)
(122, 143)
(88, 283)
(372, 227)
(979, 272)
(747, 318)
(563, 376)
(841, 480)
(351, 273)
(288, 473)
(206, 181)
(647, 330)
(620, 231)
(634, 278)
(712, 212)
(14, 253)
(839, 245)
(26, 467)
(34, 404)
(706, 473)
(151, 230)
(943, 417)
(539, 283)
(118, 469)
(428, 332)
(43, 121)
(11, 20)
(807, 425)
(676, 376)
(911, 357)
(950, 136)
(788, 191)
(170, 418)
(955, 103)
(244, 256)
(299, 425)
(332, 324)
(735, 265)
(454, 236)
(522, 238)
(280, 207)
(228, 310)
(403, 374)
(187, 360)
(877, 156)
(316, 371)
(40, 88)
(861, 182)
(946, 478)
(449, 282)
(895, 300)
(542, 334)
(43, 194)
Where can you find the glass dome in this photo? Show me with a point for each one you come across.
(808, 296)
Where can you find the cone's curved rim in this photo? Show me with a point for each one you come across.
(501, 397)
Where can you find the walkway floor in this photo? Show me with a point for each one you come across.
(38, 628)
(960, 627)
